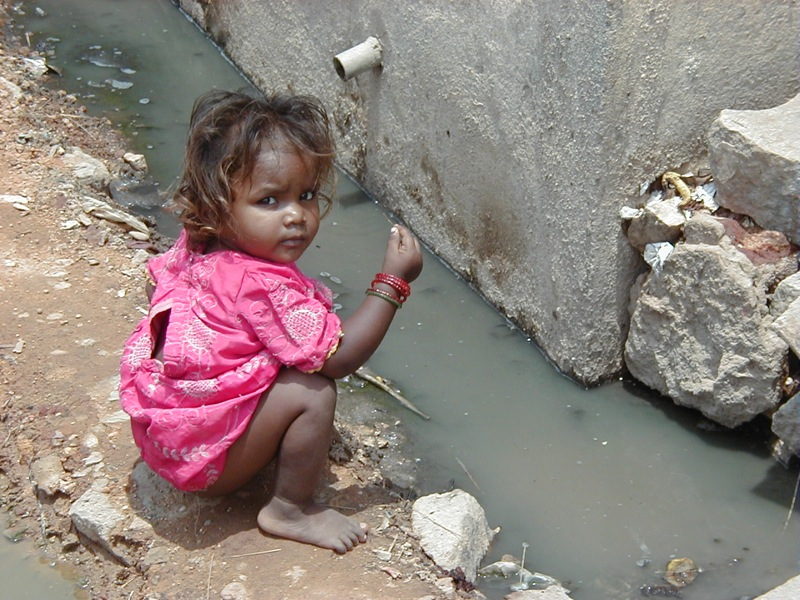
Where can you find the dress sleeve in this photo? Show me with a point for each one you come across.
(293, 321)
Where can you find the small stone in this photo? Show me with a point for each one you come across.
(234, 591)
(47, 473)
(139, 235)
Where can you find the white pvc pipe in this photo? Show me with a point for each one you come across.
(367, 55)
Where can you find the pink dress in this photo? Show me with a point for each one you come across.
(234, 321)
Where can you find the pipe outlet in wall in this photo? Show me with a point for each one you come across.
(363, 57)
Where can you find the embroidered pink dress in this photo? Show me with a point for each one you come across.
(233, 322)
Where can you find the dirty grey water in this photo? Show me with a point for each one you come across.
(605, 485)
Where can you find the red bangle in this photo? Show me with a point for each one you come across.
(398, 285)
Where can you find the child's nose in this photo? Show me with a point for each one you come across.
(294, 214)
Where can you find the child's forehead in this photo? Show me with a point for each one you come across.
(275, 159)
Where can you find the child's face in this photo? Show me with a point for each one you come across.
(275, 213)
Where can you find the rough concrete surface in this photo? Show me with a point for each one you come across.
(508, 134)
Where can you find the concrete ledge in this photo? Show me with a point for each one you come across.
(788, 591)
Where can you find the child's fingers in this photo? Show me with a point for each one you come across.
(404, 237)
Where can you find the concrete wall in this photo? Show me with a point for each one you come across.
(508, 133)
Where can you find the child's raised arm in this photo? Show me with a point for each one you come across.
(364, 330)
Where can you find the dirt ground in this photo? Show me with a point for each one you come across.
(71, 290)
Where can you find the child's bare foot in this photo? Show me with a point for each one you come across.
(313, 524)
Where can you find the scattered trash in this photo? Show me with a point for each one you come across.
(705, 194)
(665, 591)
(646, 556)
(392, 572)
(508, 567)
(119, 85)
(676, 181)
(103, 210)
(627, 213)
(681, 572)
(13, 199)
(656, 254)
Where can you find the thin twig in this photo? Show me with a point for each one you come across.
(791, 508)
(463, 466)
(383, 384)
(522, 564)
(253, 553)
(208, 583)
(76, 116)
(339, 507)
(86, 131)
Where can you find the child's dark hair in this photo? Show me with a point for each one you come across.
(226, 133)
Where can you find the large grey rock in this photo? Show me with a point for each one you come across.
(755, 157)
(97, 517)
(787, 326)
(786, 292)
(158, 500)
(48, 475)
(89, 170)
(700, 330)
(660, 221)
(786, 424)
(554, 592)
(453, 530)
(790, 590)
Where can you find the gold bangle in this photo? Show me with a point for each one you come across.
(381, 294)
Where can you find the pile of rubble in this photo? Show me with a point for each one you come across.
(715, 321)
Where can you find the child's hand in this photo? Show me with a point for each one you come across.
(403, 255)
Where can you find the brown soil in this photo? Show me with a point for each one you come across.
(69, 296)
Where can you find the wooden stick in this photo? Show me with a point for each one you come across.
(208, 582)
(385, 385)
(791, 508)
(463, 466)
(253, 553)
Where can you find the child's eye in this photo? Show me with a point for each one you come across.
(308, 195)
(269, 200)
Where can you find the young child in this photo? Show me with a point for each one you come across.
(235, 363)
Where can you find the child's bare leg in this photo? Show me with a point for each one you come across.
(294, 421)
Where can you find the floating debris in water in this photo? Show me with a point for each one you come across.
(666, 591)
(119, 85)
(508, 566)
(646, 556)
(100, 58)
(144, 100)
(681, 572)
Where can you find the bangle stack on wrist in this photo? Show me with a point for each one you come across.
(396, 283)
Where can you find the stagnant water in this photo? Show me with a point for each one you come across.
(605, 485)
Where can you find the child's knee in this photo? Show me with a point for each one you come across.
(314, 390)
(325, 390)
